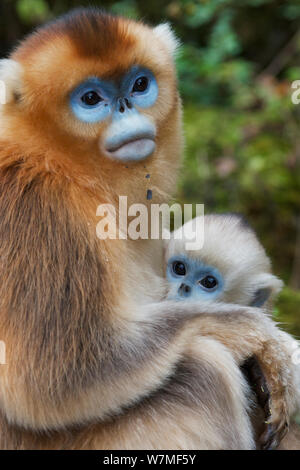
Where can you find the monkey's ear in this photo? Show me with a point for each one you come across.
(165, 33)
(266, 286)
(10, 80)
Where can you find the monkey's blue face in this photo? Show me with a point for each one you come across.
(191, 279)
(130, 135)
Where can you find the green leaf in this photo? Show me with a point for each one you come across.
(33, 11)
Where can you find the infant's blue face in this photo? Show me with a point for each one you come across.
(190, 279)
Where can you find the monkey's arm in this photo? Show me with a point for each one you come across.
(244, 331)
(203, 405)
(204, 377)
(247, 332)
(143, 364)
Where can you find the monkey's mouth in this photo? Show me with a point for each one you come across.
(133, 149)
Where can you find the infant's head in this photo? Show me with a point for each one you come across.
(232, 266)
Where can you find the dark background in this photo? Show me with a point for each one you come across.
(236, 67)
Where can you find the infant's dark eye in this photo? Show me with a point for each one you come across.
(179, 268)
(141, 84)
(91, 98)
(209, 282)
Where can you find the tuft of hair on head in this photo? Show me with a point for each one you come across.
(240, 218)
(10, 80)
(165, 33)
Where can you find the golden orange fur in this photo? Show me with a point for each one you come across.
(91, 362)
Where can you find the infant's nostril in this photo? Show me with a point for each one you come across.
(184, 288)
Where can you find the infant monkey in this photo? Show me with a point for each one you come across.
(231, 267)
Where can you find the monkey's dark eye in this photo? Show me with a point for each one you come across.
(179, 268)
(91, 98)
(209, 282)
(140, 85)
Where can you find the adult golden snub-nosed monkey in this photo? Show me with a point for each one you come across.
(91, 106)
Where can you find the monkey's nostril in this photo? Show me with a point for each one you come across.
(128, 104)
(121, 106)
(185, 288)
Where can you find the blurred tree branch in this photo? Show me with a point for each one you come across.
(282, 58)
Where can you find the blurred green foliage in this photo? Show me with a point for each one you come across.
(287, 304)
(235, 66)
